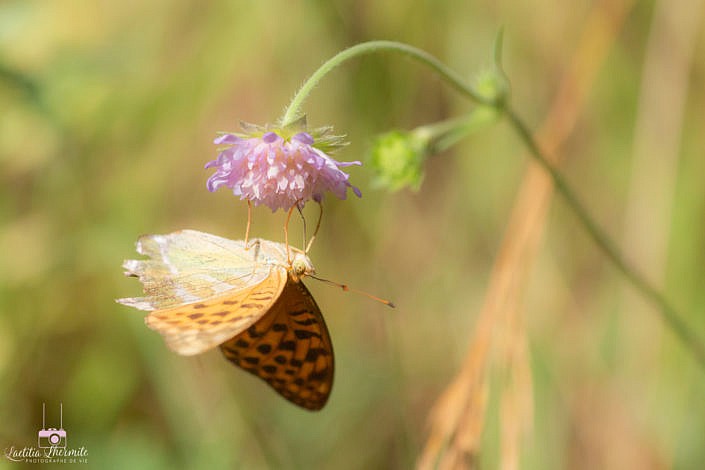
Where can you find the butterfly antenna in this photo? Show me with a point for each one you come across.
(347, 288)
(315, 232)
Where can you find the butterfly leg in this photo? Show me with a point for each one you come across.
(255, 254)
(318, 226)
(303, 222)
(286, 233)
(249, 222)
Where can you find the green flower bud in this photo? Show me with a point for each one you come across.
(398, 157)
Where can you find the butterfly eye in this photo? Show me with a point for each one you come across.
(301, 266)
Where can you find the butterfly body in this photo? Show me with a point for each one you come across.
(204, 291)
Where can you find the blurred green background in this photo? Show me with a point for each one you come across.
(108, 114)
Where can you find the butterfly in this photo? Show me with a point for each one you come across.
(204, 291)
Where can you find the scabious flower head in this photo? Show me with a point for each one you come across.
(280, 167)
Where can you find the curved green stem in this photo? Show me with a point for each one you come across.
(669, 313)
(454, 80)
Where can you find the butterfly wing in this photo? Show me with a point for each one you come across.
(197, 327)
(188, 266)
(203, 289)
(289, 348)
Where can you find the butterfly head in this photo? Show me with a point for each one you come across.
(301, 266)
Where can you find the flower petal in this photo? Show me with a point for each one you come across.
(277, 172)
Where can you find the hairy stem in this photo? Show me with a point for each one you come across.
(292, 111)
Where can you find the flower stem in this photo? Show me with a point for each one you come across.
(292, 111)
(671, 316)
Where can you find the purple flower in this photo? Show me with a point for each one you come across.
(279, 168)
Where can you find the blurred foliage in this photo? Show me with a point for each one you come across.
(108, 114)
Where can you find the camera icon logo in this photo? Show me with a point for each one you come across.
(51, 437)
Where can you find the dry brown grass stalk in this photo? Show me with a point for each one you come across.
(457, 418)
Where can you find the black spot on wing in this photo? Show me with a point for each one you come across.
(306, 334)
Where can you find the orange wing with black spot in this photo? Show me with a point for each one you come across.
(289, 348)
(197, 327)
